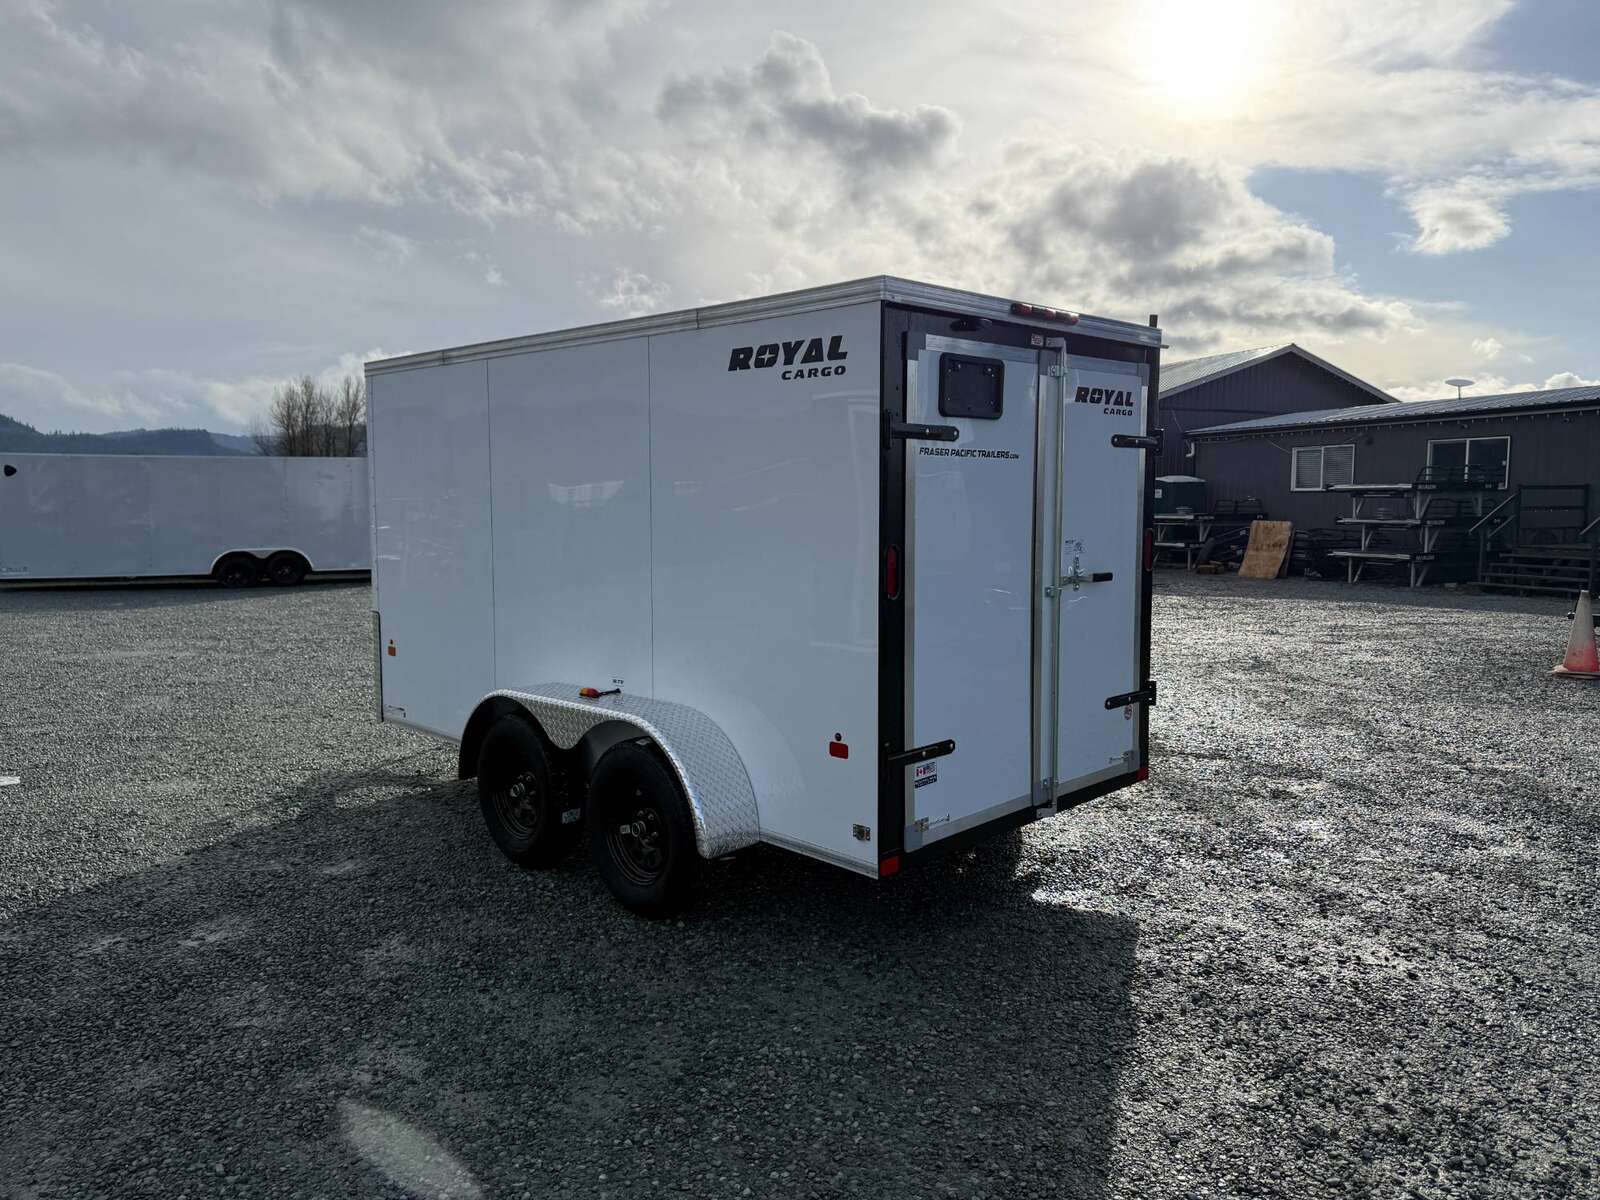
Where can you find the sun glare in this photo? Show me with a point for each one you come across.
(1207, 57)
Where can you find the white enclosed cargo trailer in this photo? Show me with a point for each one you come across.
(860, 571)
(238, 519)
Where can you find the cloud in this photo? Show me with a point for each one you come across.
(1488, 348)
(386, 245)
(1453, 219)
(227, 193)
(631, 293)
(152, 398)
(787, 100)
(1491, 385)
(49, 402)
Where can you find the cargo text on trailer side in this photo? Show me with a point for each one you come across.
(677, 581)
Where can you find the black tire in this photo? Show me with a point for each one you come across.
(238, 571)
(286, 569)
(641, 835)
(522, 805)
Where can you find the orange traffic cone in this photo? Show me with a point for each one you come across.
(1582, 660)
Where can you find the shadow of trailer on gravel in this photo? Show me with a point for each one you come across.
(370, 1000)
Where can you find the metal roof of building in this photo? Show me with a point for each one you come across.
(1179, 376)
(1418, 410)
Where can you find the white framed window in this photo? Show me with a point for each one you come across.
(1316, 467)
(1485, 457)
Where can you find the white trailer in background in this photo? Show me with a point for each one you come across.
(237, 519)
(860, 571)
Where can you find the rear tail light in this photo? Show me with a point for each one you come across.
(889, 866)
(891, 572)
(1041, 313)
(1142, 774)
(1149, 549)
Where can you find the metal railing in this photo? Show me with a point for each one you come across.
(1591, 531)
(1488, 527)
(1511, 517)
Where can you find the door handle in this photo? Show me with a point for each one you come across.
(1078, 578)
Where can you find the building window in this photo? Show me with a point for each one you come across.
(1318, 467)
(1487, 458)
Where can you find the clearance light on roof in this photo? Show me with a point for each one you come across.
(1040, 313)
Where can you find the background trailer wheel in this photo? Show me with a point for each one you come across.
(286, 569)
(238, 570)
(525, 810)
(641, 835)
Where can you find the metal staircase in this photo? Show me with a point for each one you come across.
(1539, 539)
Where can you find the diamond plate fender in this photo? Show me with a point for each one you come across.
(721, 799)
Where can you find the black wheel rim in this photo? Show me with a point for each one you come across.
(636, 836)
(284, 572)
(516, 803)
(236, 574)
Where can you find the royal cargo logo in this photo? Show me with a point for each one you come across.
(1118, 403)
(795, 357)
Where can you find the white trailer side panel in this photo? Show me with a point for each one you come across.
(429, 437)
(107, 516)
(327, 512)
(766, 563)
(72, 516)
(570, 460)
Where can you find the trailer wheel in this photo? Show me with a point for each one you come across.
(641, 835)
(286, 569)
(521, 806)
(237, 571)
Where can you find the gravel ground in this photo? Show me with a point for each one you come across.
(1344, 943)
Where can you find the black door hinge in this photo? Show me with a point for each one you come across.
(922, 753)
(893, 429)
(1145, 695)
(1130, 441)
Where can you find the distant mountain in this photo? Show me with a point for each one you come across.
(25, 439)
(237, 443)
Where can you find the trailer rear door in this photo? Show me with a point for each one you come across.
(969, 579)
(1093, 606)
(1023, 579)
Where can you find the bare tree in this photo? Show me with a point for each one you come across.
(350, 415)
(264, 435)
(305, 419)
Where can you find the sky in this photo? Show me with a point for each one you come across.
(202, 199)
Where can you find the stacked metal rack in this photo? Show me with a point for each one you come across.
(1436, 509)
(1186, 534)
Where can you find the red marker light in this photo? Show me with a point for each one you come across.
(1042, 313)
(891, 572)
(1149, 549)
(838, 750)
(1142, 774)
(889, 866)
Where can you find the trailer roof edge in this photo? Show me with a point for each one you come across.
(856, 291)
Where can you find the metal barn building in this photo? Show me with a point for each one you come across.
(1242, 384)
(1505, 489)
